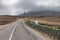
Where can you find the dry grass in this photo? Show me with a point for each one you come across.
(46, 20)
(7, 19)
(55, 21)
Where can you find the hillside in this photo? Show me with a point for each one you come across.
(41, 13)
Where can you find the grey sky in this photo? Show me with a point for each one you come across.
(15, 7)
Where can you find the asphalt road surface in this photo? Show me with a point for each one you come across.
(16, 31)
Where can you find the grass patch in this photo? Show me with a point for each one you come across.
(50, 26)
(7, 19)
(51, 32)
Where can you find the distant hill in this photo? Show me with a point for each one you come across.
(41, 13)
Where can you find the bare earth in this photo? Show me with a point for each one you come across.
(47, 20)
(7, 19)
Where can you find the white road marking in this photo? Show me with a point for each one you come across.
(10, 38)
(5, 26)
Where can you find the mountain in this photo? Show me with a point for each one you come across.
(41, 13)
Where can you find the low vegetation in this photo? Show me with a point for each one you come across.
(48, 25)
(51, 32)
(56, 27)
(50, 22)
(7, 19)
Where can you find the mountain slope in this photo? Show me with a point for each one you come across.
(41, 13)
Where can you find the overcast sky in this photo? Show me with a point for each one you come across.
(16, 7)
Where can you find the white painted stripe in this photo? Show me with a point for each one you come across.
(10, 38)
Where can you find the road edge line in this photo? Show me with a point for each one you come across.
(10, 38)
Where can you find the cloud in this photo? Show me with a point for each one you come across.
(9, 2)
(7, 7)
(15, 8)
(48, 3)
(37, 5)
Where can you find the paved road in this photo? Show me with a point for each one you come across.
(19, 33)
(22, 34)
(6, 32)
